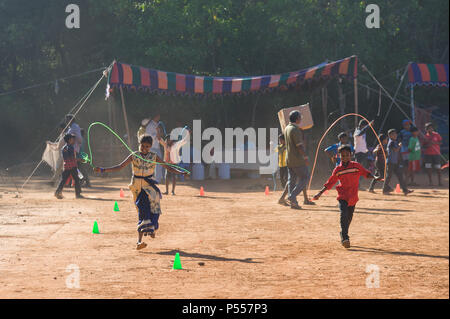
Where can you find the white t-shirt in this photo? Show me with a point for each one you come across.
(151, 130)
(360, 142)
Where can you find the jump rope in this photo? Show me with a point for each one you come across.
(89, 159)
(329, 128)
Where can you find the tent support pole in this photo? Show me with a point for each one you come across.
(413, 111)
(355, 87)
(125, 118)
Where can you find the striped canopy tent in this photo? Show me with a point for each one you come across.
(123, 75)
(422, 74)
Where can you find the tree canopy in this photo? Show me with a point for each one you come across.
(207, 37)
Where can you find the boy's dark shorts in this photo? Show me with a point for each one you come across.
(432, 161)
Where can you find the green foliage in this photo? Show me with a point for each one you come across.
(208, 37)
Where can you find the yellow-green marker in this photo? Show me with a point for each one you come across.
(95, 229)
(177, 262)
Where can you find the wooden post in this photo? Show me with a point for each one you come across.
(126, 122)
(355, 87)
(125, 119)
(413, 110)
(324, 107)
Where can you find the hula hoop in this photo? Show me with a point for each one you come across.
(326, 132)
(89, 159)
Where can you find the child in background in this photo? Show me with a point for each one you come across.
(432, 152)
(393, 164)
(332, 151)
(70, 167)
(145, 192)
(168, 145)
(281, 149)
(414, 155)
(348, 173)
(380, 160)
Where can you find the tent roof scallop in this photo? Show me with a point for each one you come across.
(136, 77)
(422, 74)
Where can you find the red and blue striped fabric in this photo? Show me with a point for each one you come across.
(427, 74)
(135, 77)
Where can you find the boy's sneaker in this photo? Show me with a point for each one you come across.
(295, 206)
(308, 202)
(140, 246)
(371, 191)
(59, 196)
(152, 235)
(346, 243)
(173, 193)
(79, 196)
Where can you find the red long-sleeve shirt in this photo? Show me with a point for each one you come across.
(349, 177)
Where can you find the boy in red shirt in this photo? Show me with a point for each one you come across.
(348, 173)
(432, 152)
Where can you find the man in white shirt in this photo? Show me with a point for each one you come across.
(154, 131)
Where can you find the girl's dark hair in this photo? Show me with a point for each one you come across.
(428, 125)
(413, 129)
(281, 136)
(382, 137)
(392, 130)
(344, 147)
(341, 135)
(146, 139)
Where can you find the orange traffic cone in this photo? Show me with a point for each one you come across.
(397, 189)
(202, 192)
(267, 190)
(122, 194)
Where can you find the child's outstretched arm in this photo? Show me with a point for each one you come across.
(114, 168)
(328, 185)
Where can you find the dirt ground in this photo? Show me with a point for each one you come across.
(235, 242)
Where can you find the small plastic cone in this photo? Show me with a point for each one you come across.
(122, 194)
(397, 189)
(177, 262)
(202, 192)
(267, 190)
(116, 207)
(95, 229)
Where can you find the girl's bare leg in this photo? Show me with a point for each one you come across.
(174, 182)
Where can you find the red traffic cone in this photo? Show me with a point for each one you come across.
(122, 194)
(267, 190)
(202, 192)
(397, 189)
